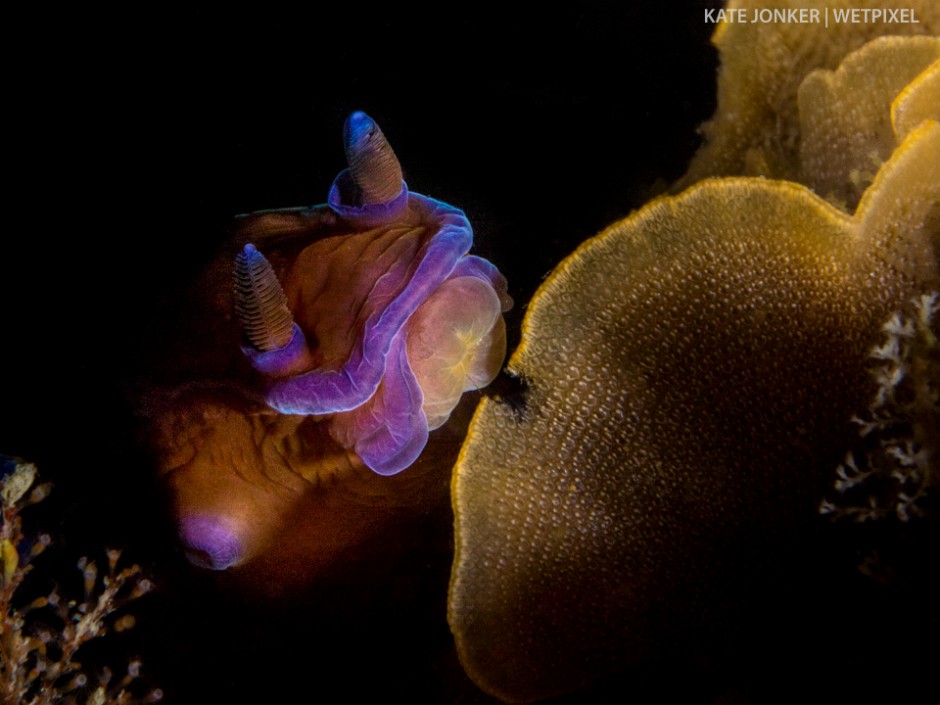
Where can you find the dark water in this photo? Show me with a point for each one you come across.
(139, 135)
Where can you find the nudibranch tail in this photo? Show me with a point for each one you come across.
(372, 162)
(260, 303)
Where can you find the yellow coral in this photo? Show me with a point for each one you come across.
(846, 126)
(691, 373)
(756, 129)
(917, 102)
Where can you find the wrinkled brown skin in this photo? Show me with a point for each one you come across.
(305, 502)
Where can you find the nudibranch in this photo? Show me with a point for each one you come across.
(363, 321)
(403, 320)
(691, 372)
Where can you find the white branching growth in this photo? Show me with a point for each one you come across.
(41, 640)
(896, 469)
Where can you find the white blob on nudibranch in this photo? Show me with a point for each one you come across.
(372, 162)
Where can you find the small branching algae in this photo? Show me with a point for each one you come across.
(894, 471)
(42, 638)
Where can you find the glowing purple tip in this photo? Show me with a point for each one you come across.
(209, 542)
(358, 129)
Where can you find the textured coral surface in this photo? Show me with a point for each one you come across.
(691, 374)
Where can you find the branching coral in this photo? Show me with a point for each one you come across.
(896, 471)
(42, 640)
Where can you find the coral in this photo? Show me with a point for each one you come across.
(42, 640)
(847, 117)
(691, 374)
(756, 130)
(897, 468)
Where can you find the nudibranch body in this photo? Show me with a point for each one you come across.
(382, 322)
(404, 320)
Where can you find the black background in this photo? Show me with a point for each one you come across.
(135, 138)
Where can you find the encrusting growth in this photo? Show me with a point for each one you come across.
(41, 640)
